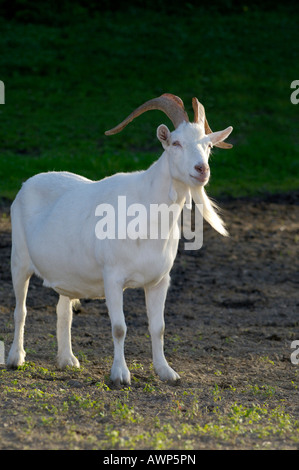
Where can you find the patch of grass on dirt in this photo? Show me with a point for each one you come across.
(148, 415)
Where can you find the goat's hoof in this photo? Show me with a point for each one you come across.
(15, 359)
(69, 361)
(167, 374)
(120, 375)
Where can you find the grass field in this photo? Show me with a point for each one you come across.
(67, 82)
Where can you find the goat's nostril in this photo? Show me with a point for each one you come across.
(202, 168)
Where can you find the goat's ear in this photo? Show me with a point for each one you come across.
(219, 136)
(163, 134)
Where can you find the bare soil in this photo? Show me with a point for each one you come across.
(231, 316)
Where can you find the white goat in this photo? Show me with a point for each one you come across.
(53, 235)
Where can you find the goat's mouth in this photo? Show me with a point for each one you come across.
(201, 178)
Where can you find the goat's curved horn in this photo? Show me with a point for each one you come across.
(170, 104)
(199, 111)
(200, 116)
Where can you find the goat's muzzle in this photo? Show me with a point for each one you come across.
(202, 174)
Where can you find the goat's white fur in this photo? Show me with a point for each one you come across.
(53, 236)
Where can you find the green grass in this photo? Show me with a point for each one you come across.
(66, 84)
(192, 417)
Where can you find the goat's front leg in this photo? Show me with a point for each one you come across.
(120, 373)
(155, 300)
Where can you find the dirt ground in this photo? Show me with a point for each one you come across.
(231, 316)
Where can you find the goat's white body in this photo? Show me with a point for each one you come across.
(53, 225)
(57, 211)
(53, 235)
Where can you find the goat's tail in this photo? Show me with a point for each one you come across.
(210, 210)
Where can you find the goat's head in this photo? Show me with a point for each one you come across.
(189, 144)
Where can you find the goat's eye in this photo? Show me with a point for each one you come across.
(176, 143)
(210, 145)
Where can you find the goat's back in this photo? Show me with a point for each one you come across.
(41, 191)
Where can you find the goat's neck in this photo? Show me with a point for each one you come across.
(161, 186)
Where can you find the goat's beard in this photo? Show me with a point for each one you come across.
(208, 209)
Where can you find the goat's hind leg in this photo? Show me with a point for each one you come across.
(65, 356)
(20, 278)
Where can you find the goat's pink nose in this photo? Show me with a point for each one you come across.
(204, 168)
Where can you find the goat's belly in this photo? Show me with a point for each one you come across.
(79, 291)
(77, 287)
(81, 275)
(74, 284)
